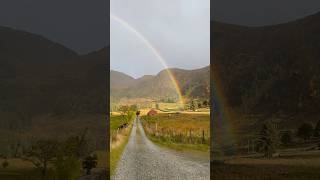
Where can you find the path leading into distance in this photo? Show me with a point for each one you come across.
(143, 160)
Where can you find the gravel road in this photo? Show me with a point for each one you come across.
(143, 160)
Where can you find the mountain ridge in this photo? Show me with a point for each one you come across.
(160, 86)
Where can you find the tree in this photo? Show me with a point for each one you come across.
(157, 106)
(67, 164)
(41, 153)
(317, 130)
(267, 139)
(305, 131)
(205, 103)
(286, 138)
(89, 163)
(127, 113)
(193, 105)
(133, 107)
(124, 110)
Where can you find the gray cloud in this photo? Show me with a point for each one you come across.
(262, 12)
(81, 25)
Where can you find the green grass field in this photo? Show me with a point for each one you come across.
(184, 132)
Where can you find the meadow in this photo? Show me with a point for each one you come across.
(179, 131)
(56, 128)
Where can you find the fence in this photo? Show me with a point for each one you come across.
(171, 135)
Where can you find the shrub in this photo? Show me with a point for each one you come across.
(5, 164)
(67, 168)
(89, 163)
(305, 131)
(286, 138)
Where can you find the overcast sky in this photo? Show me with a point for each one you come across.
(262, 12)
(81, 25)
(178, 29)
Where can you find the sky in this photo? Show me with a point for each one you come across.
(179, 30)
(81, 25)
(262, 12)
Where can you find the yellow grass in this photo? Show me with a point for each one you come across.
(179, 131)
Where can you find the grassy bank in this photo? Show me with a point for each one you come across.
(183, 132)
(119, 141)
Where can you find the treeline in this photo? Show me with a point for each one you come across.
(270, 138)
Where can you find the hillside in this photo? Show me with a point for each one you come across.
(193, 83)
(269, 70)
(39, 77)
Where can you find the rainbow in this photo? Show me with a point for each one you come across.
(154, 51)
(224, 114)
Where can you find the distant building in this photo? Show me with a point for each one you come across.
(152, 112)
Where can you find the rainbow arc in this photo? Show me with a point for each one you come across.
(148, 44)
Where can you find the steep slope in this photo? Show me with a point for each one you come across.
(272, 69)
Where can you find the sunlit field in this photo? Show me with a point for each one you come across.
(179, 131)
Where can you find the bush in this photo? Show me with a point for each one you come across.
(286, 138)
(5, 164)
(305, 131)
(67, 168)
(89, 163)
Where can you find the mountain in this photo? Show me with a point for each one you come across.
(21, 46)
(39, 77)
(120, 80)
(271, 69)
(193, 83)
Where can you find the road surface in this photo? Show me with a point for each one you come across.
(143, 160)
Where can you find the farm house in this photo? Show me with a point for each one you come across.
(152, 112)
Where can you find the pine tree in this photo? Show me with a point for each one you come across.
(267, 139)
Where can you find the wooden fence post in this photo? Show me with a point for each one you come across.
(203, 137)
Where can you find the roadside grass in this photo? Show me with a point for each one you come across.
(182, 132)
(122, 139)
